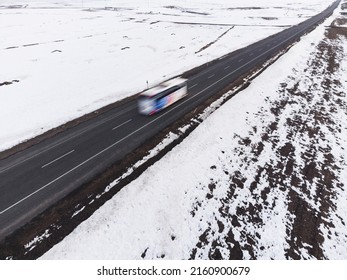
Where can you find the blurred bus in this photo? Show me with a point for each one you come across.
(162, 96)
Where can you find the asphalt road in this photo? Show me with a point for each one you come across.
(34, 179)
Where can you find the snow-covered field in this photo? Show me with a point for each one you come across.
(63, 59)
(263, 177)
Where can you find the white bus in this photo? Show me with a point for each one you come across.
(162, 96)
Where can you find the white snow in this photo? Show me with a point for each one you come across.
(163, 213)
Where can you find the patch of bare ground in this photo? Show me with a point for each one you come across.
(302, 169)
(185, 10)
(6, 83)
(247, 8)
(270, 18)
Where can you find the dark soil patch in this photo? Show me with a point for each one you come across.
(270, 18)
(6, 83)
(307, 177)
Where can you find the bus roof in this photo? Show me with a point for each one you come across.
(163, 86)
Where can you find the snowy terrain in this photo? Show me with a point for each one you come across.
(263, 177)
(63, 59)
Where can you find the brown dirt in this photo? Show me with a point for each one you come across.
(307, 212)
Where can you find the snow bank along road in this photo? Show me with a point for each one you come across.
(34, 179)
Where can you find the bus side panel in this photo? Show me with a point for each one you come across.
(170, 99)
(177, 95)
(161, 103)
(181, 93)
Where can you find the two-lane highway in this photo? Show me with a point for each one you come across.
(34, 179)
